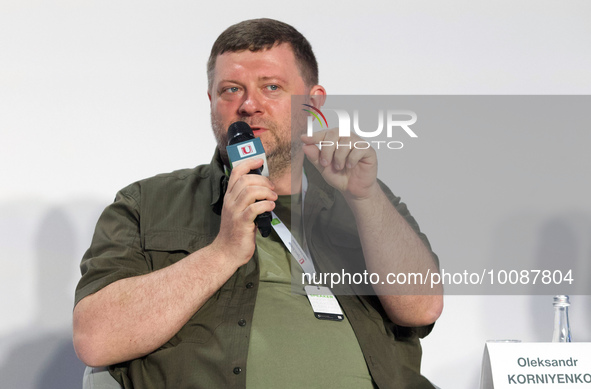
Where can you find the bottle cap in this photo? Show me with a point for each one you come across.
(561, 301)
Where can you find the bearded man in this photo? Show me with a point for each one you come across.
(178, 288)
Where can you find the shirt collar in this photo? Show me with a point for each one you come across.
(219, 181)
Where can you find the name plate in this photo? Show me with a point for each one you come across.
(509, 364)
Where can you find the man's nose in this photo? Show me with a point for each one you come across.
(251, 105)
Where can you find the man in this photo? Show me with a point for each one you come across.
(178, 288)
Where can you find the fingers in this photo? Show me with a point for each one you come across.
(249, 194)
(243, 169)
(251, 199)
(326, 148)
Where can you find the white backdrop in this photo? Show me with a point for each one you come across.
(97, 94)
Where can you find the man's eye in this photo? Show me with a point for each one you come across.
(273, 87)
(232, 89)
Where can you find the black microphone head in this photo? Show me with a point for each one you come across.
(239, 132)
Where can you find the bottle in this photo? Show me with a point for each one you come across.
(561, 324)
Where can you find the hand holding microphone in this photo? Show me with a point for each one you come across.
(242, 145)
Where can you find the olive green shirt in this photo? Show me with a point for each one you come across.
(158, 221)
(289, 347)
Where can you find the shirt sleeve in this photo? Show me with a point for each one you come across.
(405, 213)
(115, 252)
(402, 209)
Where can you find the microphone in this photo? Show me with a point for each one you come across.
(243, 145)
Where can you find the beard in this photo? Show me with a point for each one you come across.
(279, 145)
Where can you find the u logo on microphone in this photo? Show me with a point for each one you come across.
(247, 149)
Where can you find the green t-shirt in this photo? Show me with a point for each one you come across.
(289, 347)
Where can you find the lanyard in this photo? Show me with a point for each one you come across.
(301, 256)
(292, 245)
(323, 302)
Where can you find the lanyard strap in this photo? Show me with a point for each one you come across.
(323, 302)
(301, 256)
(292, 245)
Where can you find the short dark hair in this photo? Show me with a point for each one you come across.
(263, 34)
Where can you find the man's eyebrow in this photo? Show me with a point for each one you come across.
(278, 79)
(229, 80)
(272, 78)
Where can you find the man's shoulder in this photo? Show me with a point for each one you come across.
(175, 182)
(178, 176)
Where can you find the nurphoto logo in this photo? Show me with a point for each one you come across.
(392, 121)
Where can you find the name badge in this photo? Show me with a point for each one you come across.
(324, 304)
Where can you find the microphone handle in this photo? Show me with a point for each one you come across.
(263, 222)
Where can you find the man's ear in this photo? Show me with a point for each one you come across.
(317, 96)
(209, 97)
